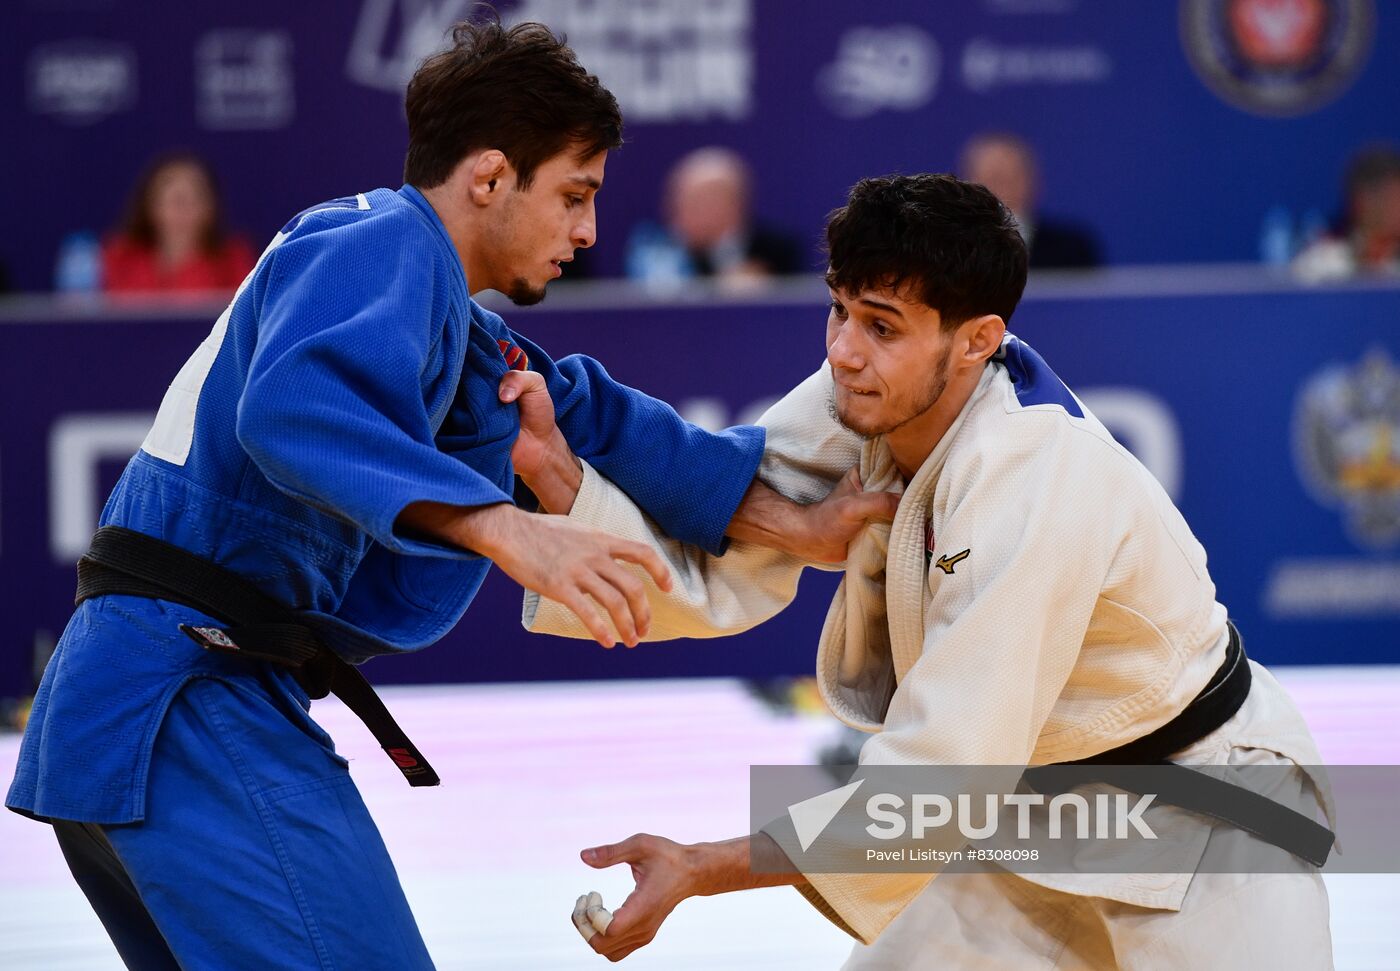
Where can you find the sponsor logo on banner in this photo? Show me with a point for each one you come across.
(666, 60)
(392, 37)
(244, 79)
(1278, 57)
(1346, 435)
(82, 81)
(987, 65)
(876, 69)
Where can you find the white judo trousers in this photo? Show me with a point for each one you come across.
(1037, 599)
(1001, 922)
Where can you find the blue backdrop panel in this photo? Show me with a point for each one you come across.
(297, 103)
(1307, 562)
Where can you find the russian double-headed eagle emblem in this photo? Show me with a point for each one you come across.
(1347, 439)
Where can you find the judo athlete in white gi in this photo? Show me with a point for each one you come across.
(1037, 599)
(328, 479)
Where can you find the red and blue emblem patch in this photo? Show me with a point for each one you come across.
(516, 359)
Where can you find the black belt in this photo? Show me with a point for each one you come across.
(1213, 707)
(1143, 765)
(123, 561)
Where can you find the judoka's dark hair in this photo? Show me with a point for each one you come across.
(949, 244)
(519, 89)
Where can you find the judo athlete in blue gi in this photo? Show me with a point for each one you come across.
(338, 441)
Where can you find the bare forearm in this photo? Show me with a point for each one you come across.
(768, 518)
(558, 559)
(746, 863)
(481, 529)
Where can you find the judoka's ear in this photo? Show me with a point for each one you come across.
(488, 173)
(979, 338)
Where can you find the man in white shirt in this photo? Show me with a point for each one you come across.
(1038, 599)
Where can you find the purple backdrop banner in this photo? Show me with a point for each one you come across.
(1173, 127)
(1271, 414)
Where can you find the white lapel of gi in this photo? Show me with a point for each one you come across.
(906, 582)
(874, 630)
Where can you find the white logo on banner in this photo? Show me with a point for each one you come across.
(392, 37)
(712, 414)
(1146, 426)
(244, 79)
(78, 445)
(879, 68)
(987, 65)
(82, 81)
(666, 60)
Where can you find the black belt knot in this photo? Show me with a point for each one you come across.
(123, 561)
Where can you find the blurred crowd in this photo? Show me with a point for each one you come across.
(173, 237)
(709, 228)
(1365, 238)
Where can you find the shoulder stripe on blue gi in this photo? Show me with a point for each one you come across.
(1035, 383)
(358, 201)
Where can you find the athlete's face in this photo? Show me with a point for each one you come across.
(889, 358)
(540, 227)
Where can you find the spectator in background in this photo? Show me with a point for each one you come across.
(173, 238)
(1006, 165)
(1368, 237)
(710, 230)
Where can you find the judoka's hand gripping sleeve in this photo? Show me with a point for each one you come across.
(806, 454)
(689, 480)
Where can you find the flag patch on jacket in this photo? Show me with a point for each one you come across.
(516, 359)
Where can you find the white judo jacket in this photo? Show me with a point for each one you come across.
(1037, 599)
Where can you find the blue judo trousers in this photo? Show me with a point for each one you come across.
(204, 813)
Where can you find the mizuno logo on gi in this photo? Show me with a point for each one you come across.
(946, 563)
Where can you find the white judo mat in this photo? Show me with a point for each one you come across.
(534, 773)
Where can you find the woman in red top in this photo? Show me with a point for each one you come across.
(173, 237)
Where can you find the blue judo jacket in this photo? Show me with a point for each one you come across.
(350, 376)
